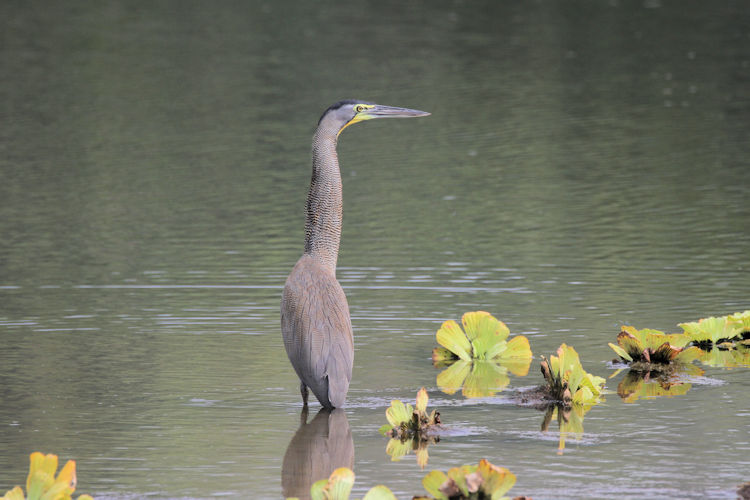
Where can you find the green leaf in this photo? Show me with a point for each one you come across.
(398, 413)
(489, 336)
(620, 352)
(421, 403)
(516, 348)
(452, 338)
(471, 320)
(340, 484)
(629, 341)
(583, 396)
(713, 329)
(452, 378)
(41, 474)
(318, 490)
(497, 480)
(741, 321)
(14, 494)
(458, 475)
(432, 483)
(442, 356)
(379, 492)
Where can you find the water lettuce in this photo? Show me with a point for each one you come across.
(653, 347)
(567, 381)
(710, 332)
(483, 337)
(42, 484)
(410, 428)
(469, 482)
(339, 486)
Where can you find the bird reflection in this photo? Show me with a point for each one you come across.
(317, 449)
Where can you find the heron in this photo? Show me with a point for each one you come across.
(315, 321)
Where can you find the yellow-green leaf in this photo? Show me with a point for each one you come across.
(379, 492)
(516, 348)
(318, 490)
(340, 484)
(497, 480)
(41, 474)
(398, 413)
(14, 494)
(489, 336)
(620, 351)
(471, 321)
(432, 483)
(422, 398)
(452, 338)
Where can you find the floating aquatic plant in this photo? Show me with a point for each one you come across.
(41, 484)
(483, 337)
(405, 421)
(742, 321)
(653, 347)
(638, 384)
(411, 428)
(479, 357)
(567, 381)
(483, 481)
(715, 331)
(709, 332)
(339, 486)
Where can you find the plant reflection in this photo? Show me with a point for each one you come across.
(648, 384)
(732, 357)
(398, 448)
(569, 420)
(316, 450)
(480, 378)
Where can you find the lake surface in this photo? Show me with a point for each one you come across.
(585, 166)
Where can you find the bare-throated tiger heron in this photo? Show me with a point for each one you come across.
(315, 320)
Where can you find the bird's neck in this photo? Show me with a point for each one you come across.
(324, 200)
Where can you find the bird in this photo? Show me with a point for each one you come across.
(315, 321)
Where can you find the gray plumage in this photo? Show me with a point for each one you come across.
(315, 322)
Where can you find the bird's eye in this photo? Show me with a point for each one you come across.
(359, 108)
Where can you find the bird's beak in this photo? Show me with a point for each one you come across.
(378, 111)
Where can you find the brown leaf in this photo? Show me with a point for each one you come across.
(474, 482)
(449, 488)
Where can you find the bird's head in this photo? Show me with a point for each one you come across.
(345, 113)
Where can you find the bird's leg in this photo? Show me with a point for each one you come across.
(303, 416)
(304, 391)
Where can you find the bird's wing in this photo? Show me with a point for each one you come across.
(317, 332)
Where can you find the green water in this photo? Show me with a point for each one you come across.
(585, 166)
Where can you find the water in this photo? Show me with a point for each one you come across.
(585, 167)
